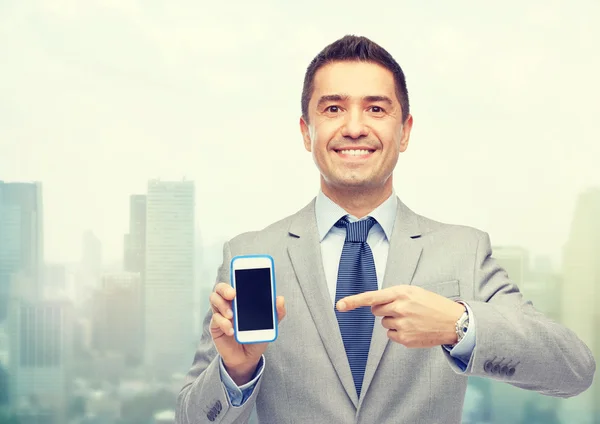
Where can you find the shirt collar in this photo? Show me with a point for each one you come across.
(328, 213)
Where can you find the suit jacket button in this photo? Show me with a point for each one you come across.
(211, 416)
(488, 366)
(504, 370)
(495, 369)
(511, 372)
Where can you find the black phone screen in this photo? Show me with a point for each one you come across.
(253, 299)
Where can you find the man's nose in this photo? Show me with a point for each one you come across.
(354, 125)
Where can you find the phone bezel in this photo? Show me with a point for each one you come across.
(252, 262)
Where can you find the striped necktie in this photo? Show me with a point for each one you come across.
(356, 274)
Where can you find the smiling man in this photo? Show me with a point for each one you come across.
(355, 127)
(386, 312)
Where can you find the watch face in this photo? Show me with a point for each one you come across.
(463, 325)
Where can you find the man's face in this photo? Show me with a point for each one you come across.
(354, 127)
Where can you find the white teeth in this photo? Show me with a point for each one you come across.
(355, 152)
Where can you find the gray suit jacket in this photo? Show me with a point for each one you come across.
(307, 378)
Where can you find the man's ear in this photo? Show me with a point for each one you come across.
(406, 129)
(305, 134)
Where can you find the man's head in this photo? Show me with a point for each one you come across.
(354, 48)
(355, 116)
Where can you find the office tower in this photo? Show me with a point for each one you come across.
(134, 258)
(91, 258)
(581, 296)
(21, 235)
(135, 240)
(118, 316)
(40, 333)
(169, 279)
(55, 280)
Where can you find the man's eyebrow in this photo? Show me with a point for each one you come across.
(331, 98)
(373, 99)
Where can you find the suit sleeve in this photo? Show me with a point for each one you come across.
(203, 398)
(518, 344)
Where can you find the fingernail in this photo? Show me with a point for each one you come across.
(229, 313)
(341, 305)
(230, 332)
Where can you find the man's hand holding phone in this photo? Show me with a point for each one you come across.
(240, 359)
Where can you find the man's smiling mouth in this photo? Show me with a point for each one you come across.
(354, 152)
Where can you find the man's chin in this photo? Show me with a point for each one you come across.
(353, 183)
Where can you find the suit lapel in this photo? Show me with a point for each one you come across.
(305, 254)
(403, 257)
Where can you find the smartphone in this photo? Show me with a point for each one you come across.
(254, 310)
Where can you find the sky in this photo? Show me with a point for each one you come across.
(98, 97)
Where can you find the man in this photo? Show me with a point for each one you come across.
(388, 312)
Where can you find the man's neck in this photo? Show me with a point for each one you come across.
(358, 201)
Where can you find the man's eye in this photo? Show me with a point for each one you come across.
(333, 109)
(377, 109)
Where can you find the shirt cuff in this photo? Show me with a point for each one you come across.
(238, 395)
(463, 350)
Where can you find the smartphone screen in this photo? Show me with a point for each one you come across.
(254, 299)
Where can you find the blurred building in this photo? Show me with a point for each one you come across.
(55, 277)
(581, 296)
(21, 267)
(135, 241)
(21, 235)
(208, 260)
(91, 254)
(118, 316)
(3, 346)
(134, 257)
(40, 334)
(169, 279)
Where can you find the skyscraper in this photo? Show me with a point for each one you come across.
(91, 257)
(21, 236)
(40, 333)
(135, 240)
(118, 316)
(169, 279)
(21, 254)
(581, 295)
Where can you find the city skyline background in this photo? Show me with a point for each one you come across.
(156, 132)
(505, 134)
(94, 343)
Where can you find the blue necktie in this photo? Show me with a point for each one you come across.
(356, 275)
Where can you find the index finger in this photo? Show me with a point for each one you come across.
(225, 291)
(368, 298)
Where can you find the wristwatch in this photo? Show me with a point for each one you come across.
(462, 325)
